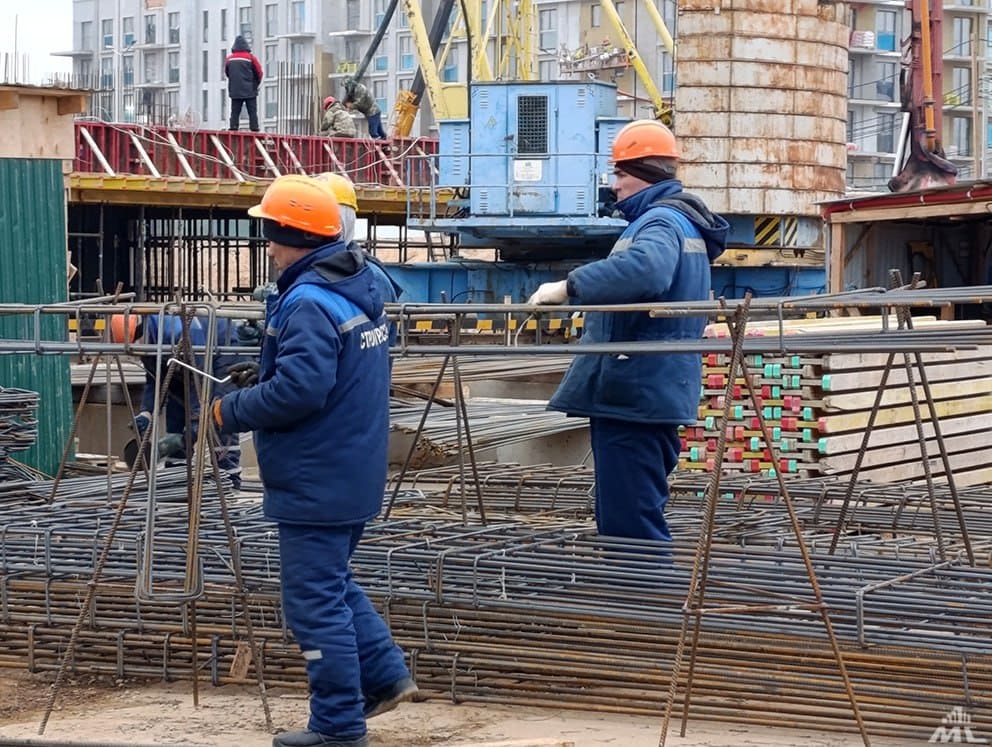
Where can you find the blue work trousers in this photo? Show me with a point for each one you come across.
(346, 644)
(633, 461)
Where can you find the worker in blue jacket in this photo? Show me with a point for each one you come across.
(318, 403)
(167, 332)
(636, 403)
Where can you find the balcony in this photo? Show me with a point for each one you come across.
(76, 53)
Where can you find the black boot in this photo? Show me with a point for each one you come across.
(309, 738)
(389, 697)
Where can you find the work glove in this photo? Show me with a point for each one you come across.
(249, 335)
(141, 422)
(550, 293)
(244, 375)
(262, 292)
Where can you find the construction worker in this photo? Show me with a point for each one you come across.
(319, 406)
(167, 332)
(358, 96)
(635, 403)
(337, 120)
(244, 75)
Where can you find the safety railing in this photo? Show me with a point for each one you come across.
(123, 149)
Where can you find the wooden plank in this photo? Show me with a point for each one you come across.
(877, 457)
(896, 415)
(9, 100)
(845, 361)
(900, 395)
(850, 381)
(967, 471)
(71, 105)
(886, 436)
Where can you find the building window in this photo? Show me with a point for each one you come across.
(206, 26)
(352, 50)
(270, 60)
(271, 20)
(173, 67)
(381, 63)
(548, 36)
(152, 69)
(85, 72)
(222, 100)
(885, 86)
(379, 93)
(106, 72)
(86, 35)
(106, 107)
(885, 140)
(886, 37)
(127, 69)
(547, 70)
(127, 103)
(595, 15)
(961, 37)
(127, 30)
(379, 9)
(297, 16)
(173, 28)
(150, 29)
(205, 107)
(450, 73)
(223, 61)
(406, 53)
(107, 29)
(353, 14)
(296, 53)
(244, 23)
(619, 7)
(960, 93)
(961, 136)
(271, 102)
(172, 103)
(206, 66)
(223, 24)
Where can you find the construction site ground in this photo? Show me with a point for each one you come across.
(135, 712)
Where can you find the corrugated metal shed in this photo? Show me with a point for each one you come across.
(33, 270)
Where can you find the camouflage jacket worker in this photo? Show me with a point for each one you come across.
(338, 122)
(361, 99)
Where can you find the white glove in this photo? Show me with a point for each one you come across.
(550, 293)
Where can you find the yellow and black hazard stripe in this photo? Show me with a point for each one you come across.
(776, 230)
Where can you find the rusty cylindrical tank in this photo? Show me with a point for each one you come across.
(761, 103)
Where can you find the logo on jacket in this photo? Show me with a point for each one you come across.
(375, 336)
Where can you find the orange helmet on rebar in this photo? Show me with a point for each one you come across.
(124, 327)
(342, 188)
(644, 138)
(297, 201)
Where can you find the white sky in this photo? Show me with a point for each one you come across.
(43, 27)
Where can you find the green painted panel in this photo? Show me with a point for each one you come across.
(33, 270)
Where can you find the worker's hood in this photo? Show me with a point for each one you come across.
(344, 270)
(240, 44)
(713, 228)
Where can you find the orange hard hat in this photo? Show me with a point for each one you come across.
(342, 188)
(328, 101)
(302, 203)
(644, 138)
(123, 327)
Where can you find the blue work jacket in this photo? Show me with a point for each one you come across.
(664, 254)
(320, 410)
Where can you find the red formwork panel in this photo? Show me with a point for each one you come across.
(222, 154)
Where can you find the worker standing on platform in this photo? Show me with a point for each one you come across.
(318, 403)
(244, 75)
(636, 403)
(337, 120)
(359, 97)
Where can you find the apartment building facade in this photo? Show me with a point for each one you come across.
(875, 119)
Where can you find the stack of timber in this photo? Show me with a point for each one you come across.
(818, 407)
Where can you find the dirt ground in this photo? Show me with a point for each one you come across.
(139, 713)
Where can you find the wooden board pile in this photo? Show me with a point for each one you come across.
(818, 407)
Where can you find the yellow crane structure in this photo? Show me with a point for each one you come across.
(662, 109)
(500, 36)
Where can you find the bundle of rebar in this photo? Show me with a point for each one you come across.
(533, 606)
(18, 423)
